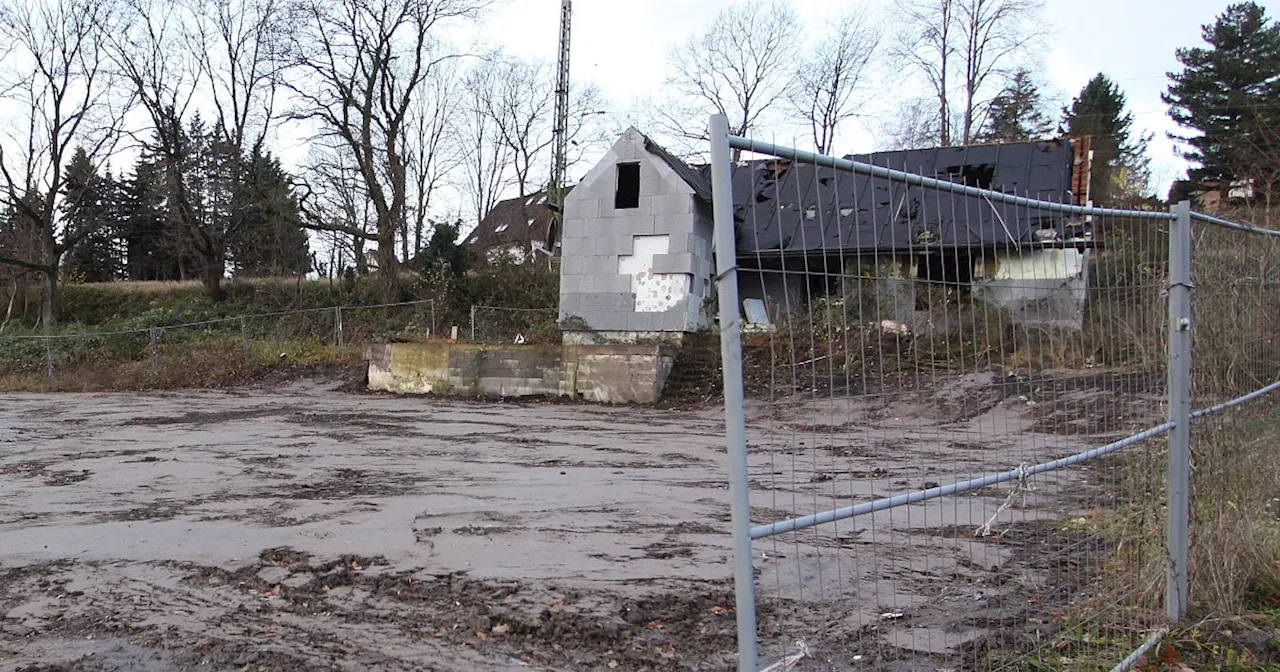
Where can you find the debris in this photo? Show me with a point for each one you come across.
(501, 628)
(891, 615)
(790, 660)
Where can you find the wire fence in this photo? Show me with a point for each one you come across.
(514, 326)
(281, 334)
(974, 450)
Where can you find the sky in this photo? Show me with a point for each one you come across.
(622, 47)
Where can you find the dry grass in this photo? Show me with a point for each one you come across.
(207, 363)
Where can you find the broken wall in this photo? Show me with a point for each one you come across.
(599, 373)
(634, 270)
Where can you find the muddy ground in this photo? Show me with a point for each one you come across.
(299, 527)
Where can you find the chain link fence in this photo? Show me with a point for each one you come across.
(959, 419)
(300, 335)
(513, 326)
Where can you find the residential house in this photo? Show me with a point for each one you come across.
(638, 237)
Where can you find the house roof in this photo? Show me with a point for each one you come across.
(516, 221)
(785, 207)
(700, 184)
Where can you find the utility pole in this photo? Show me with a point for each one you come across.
(561, 131)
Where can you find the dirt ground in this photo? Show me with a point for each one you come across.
(303, 527)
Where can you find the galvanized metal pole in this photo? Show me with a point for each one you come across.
(731, 364)
(244, 336)
(473, 323)
(48, 357)
(151, 338)
(1179, 476)
(337, 325)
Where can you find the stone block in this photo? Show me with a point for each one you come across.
(599, 264)
(673, 263)
(672, 204)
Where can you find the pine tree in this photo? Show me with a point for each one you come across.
(1227, 92)
(1120, 166)
(270, 240)
(144, 223)
(87, 209)
(1017, 114)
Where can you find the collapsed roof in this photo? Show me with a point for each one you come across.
(786, 207)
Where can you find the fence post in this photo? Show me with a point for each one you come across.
(473, 323)
(244, 335)
(48, 357)
(152, 337)
(734, 420)
(337, 325)
(1179, 384)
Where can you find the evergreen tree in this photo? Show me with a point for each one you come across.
(1228, 93)
(87, 208)
(145, 224)
(270, 239)
(1120, 166)
(1017, 114)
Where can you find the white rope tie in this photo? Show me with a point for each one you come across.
(1020, 487)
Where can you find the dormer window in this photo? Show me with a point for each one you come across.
(627, 195)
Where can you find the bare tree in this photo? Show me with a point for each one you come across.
(434, 151)
(519, 100)
(334, 203)
(915, 125)
(961, 47)
(177, 53)
(827, 81)
(57, 80)
(487, 155)
(928, 42)
(991, 32)
(741, 67)
(362, 64)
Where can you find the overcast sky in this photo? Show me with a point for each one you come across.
(622, 47)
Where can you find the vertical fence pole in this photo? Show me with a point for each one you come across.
(244, 336)
(48, 357)
(473, 323)
(337, 326)
(1179, 476)
(734, 420)
(152, 335)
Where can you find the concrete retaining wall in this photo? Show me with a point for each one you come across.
(600, 373)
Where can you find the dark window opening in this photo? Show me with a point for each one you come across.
(979, 175)
(628, 194)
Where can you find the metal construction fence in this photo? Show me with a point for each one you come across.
(972, 439)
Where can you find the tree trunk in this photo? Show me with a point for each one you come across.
(49, 302)
(387, 267)
(211, 276)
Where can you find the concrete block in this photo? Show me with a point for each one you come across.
(570, 284)
(673, 224)
(611, 283)
(673, 263)
(599, 264)
(605, 244)
(643, 321)
(570, 304)
(669, 204)
(571, 264)
(575, 246)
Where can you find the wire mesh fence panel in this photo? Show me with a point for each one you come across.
(409, 321)
(924, 369)
(513, 326)
(1235, 476)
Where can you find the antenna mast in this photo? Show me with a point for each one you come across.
(561, 132)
